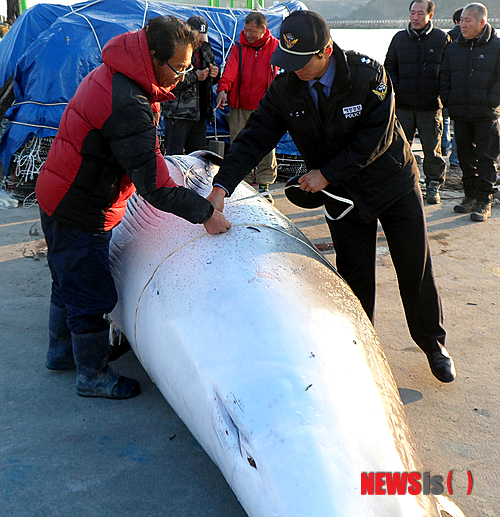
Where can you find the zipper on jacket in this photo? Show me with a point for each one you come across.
(254, 66)
(472, 69)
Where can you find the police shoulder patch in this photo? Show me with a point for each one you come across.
(381, 91)
(355, 58)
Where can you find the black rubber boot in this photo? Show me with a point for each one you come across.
(60, 352)
(94, 376)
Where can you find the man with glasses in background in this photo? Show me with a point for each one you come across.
(105, 149)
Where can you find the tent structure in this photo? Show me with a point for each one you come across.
(51, 48)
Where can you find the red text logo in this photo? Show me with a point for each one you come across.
(401, 483)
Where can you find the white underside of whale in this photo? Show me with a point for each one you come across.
(266, 356)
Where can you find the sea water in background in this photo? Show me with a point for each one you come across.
(372, 42)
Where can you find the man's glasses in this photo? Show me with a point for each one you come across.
(178, 74)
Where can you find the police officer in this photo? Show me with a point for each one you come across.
(339, 109)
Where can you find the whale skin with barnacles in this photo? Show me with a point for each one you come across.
(265, 354)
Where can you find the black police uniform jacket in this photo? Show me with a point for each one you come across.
(361, 150)
(470, 77)
(414, 62)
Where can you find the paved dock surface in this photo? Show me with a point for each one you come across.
(63, 455)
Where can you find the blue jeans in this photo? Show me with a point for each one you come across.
(81, 276)
(446, 141)
(454, 154)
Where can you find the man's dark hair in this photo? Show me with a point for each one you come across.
(321, 53)
(430, 5)
(166, 33)
(257, 17)
(457, 14)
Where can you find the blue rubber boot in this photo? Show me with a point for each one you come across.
(94, 376)
(60, 352)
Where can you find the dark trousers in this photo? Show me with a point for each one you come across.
(185, 136)
(81, 276)
(430, 130)
(405, 230)
(478, 148)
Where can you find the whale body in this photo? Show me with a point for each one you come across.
(266, 355)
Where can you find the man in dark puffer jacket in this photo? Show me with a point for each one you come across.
(448, 142)
(456, 31)
(105, 148)
(470, 89)
(186, 116)
(414, 61)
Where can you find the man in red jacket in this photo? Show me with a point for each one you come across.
(246, 78)
(105, 149)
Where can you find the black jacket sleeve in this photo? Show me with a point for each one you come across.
(262, 132)
(130, 132)
(445, 79)
(391, 63)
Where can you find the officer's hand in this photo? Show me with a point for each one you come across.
(313, 181)
(217, 224)
(202, 74)
(221, 100)
(216, 197)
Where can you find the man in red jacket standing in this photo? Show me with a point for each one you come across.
(105, 149)
(246, 78)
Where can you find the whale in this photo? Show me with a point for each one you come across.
(268, 358)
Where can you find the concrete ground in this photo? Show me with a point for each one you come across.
(455, 425)
(62, 455)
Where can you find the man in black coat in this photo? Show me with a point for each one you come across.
(414, 61)
(456, 31)
(470, 89)
(186, 116)
(449, 142)
(352, 144)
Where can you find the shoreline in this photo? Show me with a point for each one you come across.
(443, 23)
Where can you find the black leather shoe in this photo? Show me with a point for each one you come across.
(442, 366)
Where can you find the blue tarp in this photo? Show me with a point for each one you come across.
(51, 48)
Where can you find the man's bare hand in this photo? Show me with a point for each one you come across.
(202, 74)
(221, 100)
(217, 224)
(216, 197)
(313, 181)
(214, 70)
